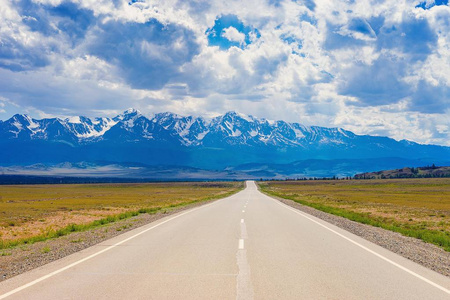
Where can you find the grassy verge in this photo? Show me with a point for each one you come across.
(50, 234)
(185, 195)
(397, 206)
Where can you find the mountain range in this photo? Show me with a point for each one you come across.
(232, 143)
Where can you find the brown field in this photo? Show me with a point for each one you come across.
(28, 211)
(414, 207)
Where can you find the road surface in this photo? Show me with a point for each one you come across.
(247, 246)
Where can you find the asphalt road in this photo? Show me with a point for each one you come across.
(247, 246)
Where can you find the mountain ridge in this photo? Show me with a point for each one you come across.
(225, 141)
(85, 128)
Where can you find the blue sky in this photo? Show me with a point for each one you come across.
(371, 66)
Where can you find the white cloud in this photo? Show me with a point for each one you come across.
(234, 35)
(361, 65)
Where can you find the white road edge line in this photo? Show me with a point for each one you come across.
(241, 244)
(95, 254)
(365, 248)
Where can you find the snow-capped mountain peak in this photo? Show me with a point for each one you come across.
(86, 128)
(132, 111)
(167, 138)
(231, 128)
(127, 115)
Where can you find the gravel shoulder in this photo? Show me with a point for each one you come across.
(26, 257)
(427, 255)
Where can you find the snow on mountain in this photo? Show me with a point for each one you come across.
(85, 128)
(128, 115)
(187, 129)
(73, 128)
(169, 139)
(230, 129)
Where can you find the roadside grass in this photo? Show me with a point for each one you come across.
(26, 205)
(46, 249)
(418, 208)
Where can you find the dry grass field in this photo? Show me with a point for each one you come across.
(30, 213)
(414, 207)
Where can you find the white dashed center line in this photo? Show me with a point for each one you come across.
(241, 244)
(244, 283)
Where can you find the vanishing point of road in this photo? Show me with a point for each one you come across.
(247, 246)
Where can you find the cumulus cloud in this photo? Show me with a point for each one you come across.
(229, 30)
(148, 54)
(375, 67)
(232, 34)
